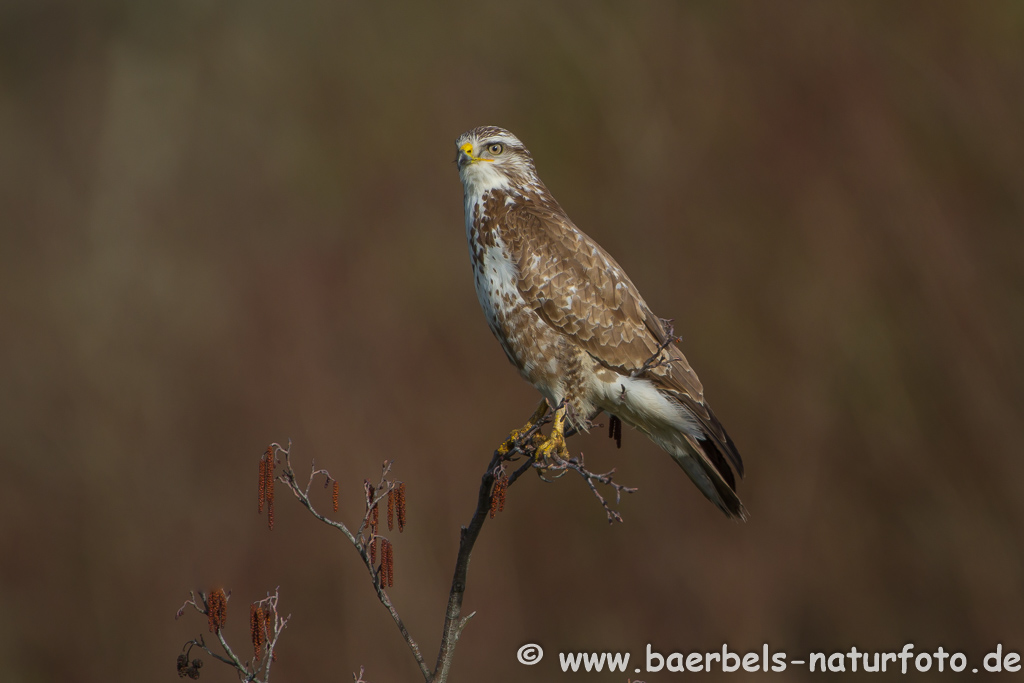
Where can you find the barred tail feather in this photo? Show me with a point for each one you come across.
(687, 430)
(706, 454)
(705, 465)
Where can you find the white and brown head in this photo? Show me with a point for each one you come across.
(491, 158)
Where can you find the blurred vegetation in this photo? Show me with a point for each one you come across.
(230, 223)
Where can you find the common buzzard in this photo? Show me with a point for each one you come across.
(574, 324)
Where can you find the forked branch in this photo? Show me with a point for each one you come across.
(266, 625)
(508, 463)
(364, 540)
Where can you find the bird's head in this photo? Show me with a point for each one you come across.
(489, 158)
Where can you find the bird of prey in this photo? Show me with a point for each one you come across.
(569, 318)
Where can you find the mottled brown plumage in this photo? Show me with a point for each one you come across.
(574, 324)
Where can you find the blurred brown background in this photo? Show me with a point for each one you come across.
(231, 223)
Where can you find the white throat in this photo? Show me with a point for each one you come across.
(481, 177)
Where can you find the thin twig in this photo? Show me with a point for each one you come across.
(520, 446)
(233, 659)
(358, 540)
(592, 479)
(250, 671)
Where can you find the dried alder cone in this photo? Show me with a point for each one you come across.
(265, 625)
(189, 669)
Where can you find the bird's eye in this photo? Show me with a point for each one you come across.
(496, 148)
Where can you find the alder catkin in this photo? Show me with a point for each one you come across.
(270, 487)
(391, 509)
(382, 570)
(387, 564)
(217, 609)
(270, 511)
(257, 622)
(498, 494)
(504, 489)
(391, 564)
(263, 483)
(400, 504)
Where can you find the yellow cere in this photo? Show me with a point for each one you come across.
(467, 147)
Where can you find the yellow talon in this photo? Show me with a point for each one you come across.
(514, 435)
(554, 445)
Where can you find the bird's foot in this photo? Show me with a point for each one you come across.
(553, 449)
(516, 434)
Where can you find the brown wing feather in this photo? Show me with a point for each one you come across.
(580, 290)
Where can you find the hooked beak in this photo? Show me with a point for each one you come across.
(465, 155)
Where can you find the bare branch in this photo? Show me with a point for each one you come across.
(453, 623)
(592, 479)
(247, 671)
(521, 448)
(522, 444)
(360, 540)
(526, 445)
